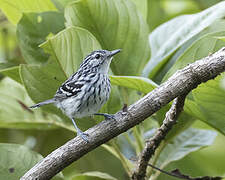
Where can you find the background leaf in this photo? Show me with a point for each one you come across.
(134, 82)
(32, 30)
(16, 160)
(116, 25)
(210, 98)
(185, 143)
(142, 7)
(14, 112)
(217, 26)
(155, 14)
(169, 41)
(207, 100)
(199, 49)
(14, 9)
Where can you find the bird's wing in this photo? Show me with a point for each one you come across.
(70, 88)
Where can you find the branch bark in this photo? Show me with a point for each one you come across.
(153, 143)
(182, 82)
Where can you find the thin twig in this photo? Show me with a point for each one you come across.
(165, 172)
(183, 81)
(154, 142)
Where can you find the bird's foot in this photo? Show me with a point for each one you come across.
(107, 116)
(83, 135)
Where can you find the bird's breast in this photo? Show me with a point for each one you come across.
(95, 95)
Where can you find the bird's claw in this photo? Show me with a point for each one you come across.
(109, 116)
(106, 116)
(83, 135)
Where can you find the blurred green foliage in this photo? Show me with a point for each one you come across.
(43, 42)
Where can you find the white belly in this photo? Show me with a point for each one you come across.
(87, 102)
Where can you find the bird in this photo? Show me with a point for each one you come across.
(86, 91)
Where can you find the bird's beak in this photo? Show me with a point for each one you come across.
(112, 53)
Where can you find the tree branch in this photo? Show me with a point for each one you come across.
(183, 81)
(152, 144)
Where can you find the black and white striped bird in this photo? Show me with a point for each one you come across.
(87, 90)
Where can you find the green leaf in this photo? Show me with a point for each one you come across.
(93, 175)
(217, 26)
(155, 14)
(199, 49)
(14, 112)
(41, 82)
(197, 107)
(32, 30)
(167, 38)
(12, 72)
(210, 99)
(142, 7)
(188, 141)
(14, 9)
(116, 24)
(16, 160)
(141, 84)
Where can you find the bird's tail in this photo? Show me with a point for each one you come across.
(49, 101)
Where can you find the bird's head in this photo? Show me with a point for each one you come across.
(98, 61)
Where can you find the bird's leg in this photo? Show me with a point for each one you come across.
(107, 116)
(79, 132)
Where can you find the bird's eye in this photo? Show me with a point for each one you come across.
(97, 56)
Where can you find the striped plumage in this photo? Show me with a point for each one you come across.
(87, 90)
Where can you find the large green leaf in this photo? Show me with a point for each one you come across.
(217, 26)
(188, 141)
(214, 94)
(142, 7)
(210, 99)
(14, 112)
(199, 49)
(155, 14)
(14, 9)
(32, 30)
(134, 82)
(16, 160)
(116, 24)
(93, 175)
(41, 82)
(167, 38)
